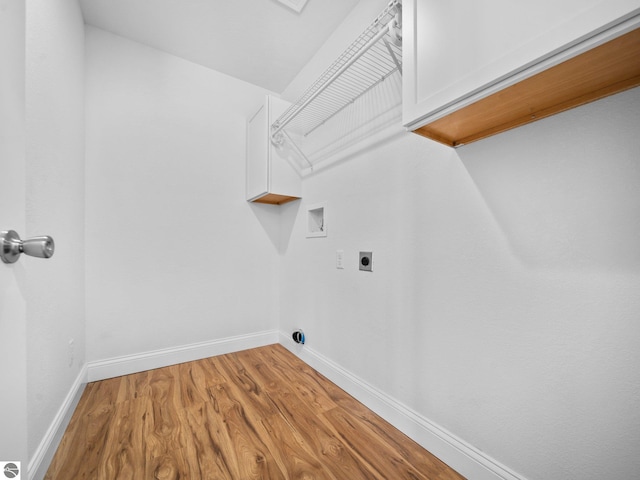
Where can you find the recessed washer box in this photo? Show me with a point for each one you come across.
(317, 220)
(366, 261)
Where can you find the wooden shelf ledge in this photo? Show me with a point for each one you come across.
(604, 70)
(274, 199)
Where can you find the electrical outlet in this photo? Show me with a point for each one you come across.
(366, 261)
(340, 259)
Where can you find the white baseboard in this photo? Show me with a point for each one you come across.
(455, 452)
(139, 362)
(39, 462)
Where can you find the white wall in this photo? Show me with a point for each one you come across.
(54, 206)
(42, 152)
(504, 300)
(13, 354)
(175, 255)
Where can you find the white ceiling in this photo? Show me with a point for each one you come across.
(260, 41)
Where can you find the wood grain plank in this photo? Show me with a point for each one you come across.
(125, 439)
(206, 452)
(284, 368)
(297, 457)
(134, 386)
(163, 432)
(248, 455)
(332, 453)
(202, 376)
(387, 450)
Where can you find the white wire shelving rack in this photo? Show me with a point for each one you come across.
(371, 59)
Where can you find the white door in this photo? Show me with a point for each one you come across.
(13, 357)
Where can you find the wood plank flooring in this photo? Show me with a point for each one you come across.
(256, 414)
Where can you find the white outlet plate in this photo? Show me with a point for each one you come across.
(340, 259)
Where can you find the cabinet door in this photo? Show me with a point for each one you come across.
(284, 179)
(257, 154)
(458, 51)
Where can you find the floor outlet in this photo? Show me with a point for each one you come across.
(298, 337)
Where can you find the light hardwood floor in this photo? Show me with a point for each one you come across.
(256, 414)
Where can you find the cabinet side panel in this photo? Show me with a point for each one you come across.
(257, 144)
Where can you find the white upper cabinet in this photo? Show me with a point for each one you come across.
(271, 178)
(456, 52)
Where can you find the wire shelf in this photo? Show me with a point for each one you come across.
(372, 58)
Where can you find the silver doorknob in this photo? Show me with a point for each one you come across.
(11, 246)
